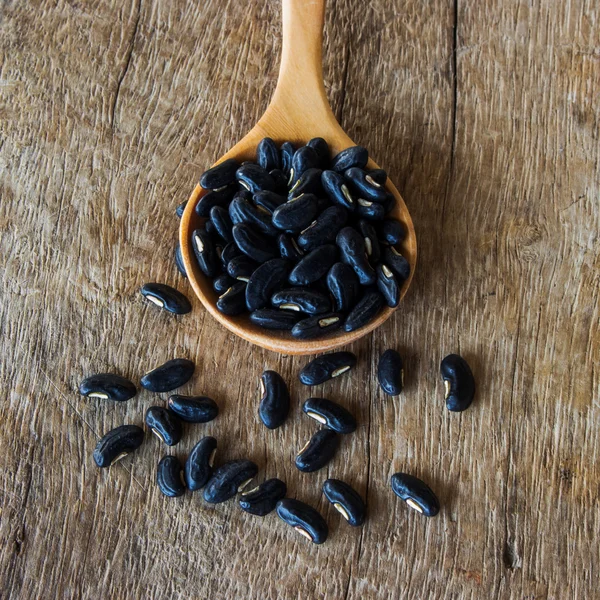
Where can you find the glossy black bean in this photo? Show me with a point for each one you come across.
(220, 175)
(346, 500)
(170, 375)
(388, 285)
(268, 201)
(287, 152)
(355, 156)
(164, 424)
(230, 251)
(233, 301)
(261, 500)
(199, 463)
(323, 229)
(304, 158)
(354, 253)
(371, 240)
(193, 409)
(267, 278)
(180, 209)
(179, 260)
(280, 179)
(459, 383)
(365, 310)
(296, 214)
(254, 244)
(117, 443)
(330, 414)
(390, 372)
(216, 198)
(370, 210)
(241, 267)
(396, 263)
(320, 146)
(314, 265)
(255, 179)
(169, 477)
(308, 183)
(304, 519)
(390, 231)
(302, 300)
(318, 326)
(164, 296)
(222, 222)
(272, 318)
(221, 283)
(228, 480)
(364, 186)
(378, 175)
(343, 285)
(318, 451)
(327, 366)
(107, 386)
(336, 189)
(288, 248)
(204, 250)
(267, 154)
(242, 211)
(211, 230)
(275, 400)
(416, 493)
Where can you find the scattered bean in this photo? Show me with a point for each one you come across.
(228, 480)
(117, 443)
(199, 464)
(416, 493)
(193, 409)
(275, 400)
(263, 499)
(390, 372)
(164, 424)
(346, 500)
(107, 386)
(318, 451)
(169, 477)
(327, 366)
(459, 382)
(172, 374)
(330, 414)
(166, 297)
(304, 519)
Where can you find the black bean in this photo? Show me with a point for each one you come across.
(220, 175)
(179, 260)
(270, 318)
(275, 400)
(308, 183)
(244, 195)
(107, 386)
(117, 443)
(288, 248)
(320, 146)
(371, 241)
(327, 366)
(170, 375)
(199, 464)
(318, 326)
(268, 201)
(319, 450)
(229, 479)
(205, 252)
(304, 519)
(355, 156)
(255, 179)
(230, 251)
(180, 209)
(416, 493)
(262, 499)
(459, 382)
(222, 283)
(242, 211)
(211, 230)
(366, 309)
(241, 267)
(267, 155)
(304, 158)
(287, 152)
(390, 231)
(364, 186)
(216, 198)
(343, 285)
(280, 179)
(396, 263)
(233, 301)
(330, 414)
(354, 253)
(222, 222)
(267, 278)
(193, 409)
(388, 285)
(336, 189)
(166, 297)
(390, 372)
(346, 500)
(303, 300)
(164, 424)
(378, 175)
(169, 477)
(253, 244)
(296, 214)
(314, 265)
(324, 229)
(371, 210)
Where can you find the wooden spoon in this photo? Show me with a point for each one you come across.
(298, 112)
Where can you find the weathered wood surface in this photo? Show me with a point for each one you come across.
(486, 115)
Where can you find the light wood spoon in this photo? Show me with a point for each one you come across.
(298, 112)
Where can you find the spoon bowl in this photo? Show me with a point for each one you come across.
(298, 112)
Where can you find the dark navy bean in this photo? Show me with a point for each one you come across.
(319, 450)
(459, 383)
(320, 146)
(242, 211)
(354, 253)
(241, 268)
(170, 375)
(296, 214)
(336, 189)
(179, 260)
(396, 262)
(355, 156)
(364, 186)
(169, 477)
(230, 251)
(346, 500)
(371, 241)
(304, 158)
(199, 464)
(330, 414)
(275, 400)
(344, 286)
(314, 265)
(267, 278)
(193, 409)
(220, 198)
(164, 424)
(324, 228)
(268, 201)
(117, 443)
(390, 231)
(367, 308)
(416, 493)
(288, 248)
(318, 326)
(204, 250)
(267, 154)
(107, 386)
(222, 222)
(228, 480)
(164, 296)
(303, 300)
(378, 176)
(308, 183)
(233, 301)
(388, 285)
(327, 366)
(272, 318)
(304, 519)
(262, 500)
(180, 209)
(253, 244)
(220, 175)
(254, 178)
(369, 209)
(287, 152)
(390, 372)
(221, 283)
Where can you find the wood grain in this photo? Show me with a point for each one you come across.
(486, 116)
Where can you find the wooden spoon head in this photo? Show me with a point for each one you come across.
(282, 341)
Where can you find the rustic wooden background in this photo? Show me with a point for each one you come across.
(486, 115)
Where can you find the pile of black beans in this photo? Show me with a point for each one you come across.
(300, 240)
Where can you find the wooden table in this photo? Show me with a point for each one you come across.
(486, 116)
